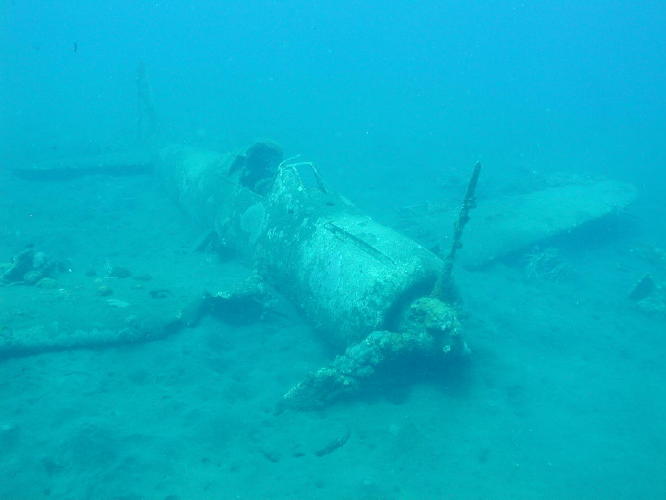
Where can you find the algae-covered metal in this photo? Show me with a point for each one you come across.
(348, 273)
(353, 278)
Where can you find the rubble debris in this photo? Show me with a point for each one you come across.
(28, 267)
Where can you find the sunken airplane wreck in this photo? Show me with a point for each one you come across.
(377, 295)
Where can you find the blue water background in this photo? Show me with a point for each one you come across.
(540, 84)
(565, 396)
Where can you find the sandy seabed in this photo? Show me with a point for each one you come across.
(563, 395)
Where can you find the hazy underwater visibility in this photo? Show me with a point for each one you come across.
(332, 250)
